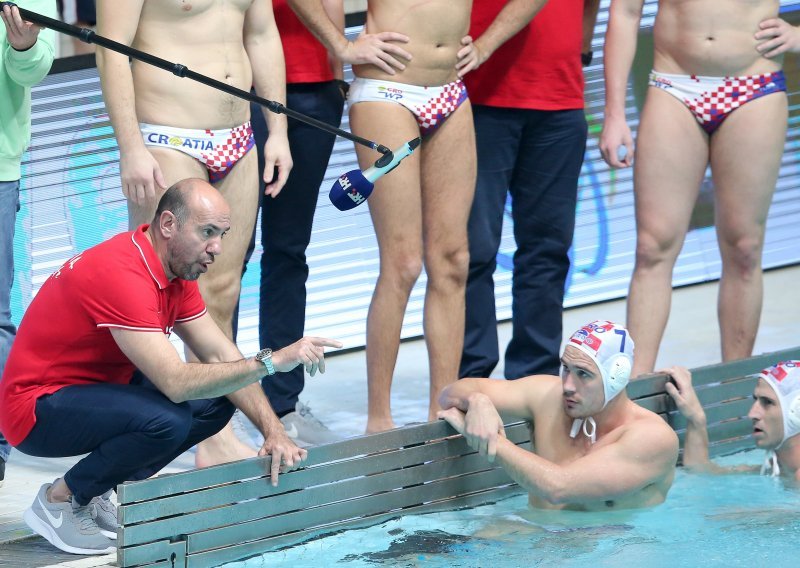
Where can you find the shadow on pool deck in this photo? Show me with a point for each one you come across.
(339, 397)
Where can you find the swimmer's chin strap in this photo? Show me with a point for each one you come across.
(586, 423)
(771, 464)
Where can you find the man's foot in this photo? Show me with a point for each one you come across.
(223, 447)
(67, 526)
(105, 514)
(305, 429)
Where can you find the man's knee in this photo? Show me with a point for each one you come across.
(448, 266)
(221, 292)
(742, 255)
(170, 426)
(653, 250)
(404, 269)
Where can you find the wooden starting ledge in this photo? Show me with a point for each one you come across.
(207, 517)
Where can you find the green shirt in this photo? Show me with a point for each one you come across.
(19, 71)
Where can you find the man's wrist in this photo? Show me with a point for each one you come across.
(265, 358)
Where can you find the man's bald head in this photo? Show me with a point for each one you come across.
(187, 196)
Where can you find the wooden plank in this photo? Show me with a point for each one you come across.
(312, 497)
(195, 480)
(725, 430)
(717, 413)
(360, 466)
(153, 552)
(707, 395)
(239, 551)
(399, 500)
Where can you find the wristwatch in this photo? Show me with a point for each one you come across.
(265, 356)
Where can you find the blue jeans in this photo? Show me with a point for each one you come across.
(286, 229)
(9, 205)
(129, 431)
(536, 156)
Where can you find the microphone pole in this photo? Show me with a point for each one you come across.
(89, 36)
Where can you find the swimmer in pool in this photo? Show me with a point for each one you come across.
(775, 414)
(594, 449)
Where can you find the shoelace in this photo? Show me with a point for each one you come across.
(85, 518)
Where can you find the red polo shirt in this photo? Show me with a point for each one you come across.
(306, 58)
(64, 338)
(539, 68)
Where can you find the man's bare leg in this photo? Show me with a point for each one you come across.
(175, 166)
(221, 286)
(395, 208)
(746, 153)
(671, 158)
(448, 186)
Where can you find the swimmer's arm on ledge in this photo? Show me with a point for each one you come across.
(638, 459)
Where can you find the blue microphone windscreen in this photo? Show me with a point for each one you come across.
(350, 190)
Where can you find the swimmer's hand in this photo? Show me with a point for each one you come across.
(140, 175)
(277, 159)
(308, 351)
(378, 49)
(681, 390)
(616, 135)
(470, 57)
(481, 426)
(21, 35)
(286, 456)
(776, 36)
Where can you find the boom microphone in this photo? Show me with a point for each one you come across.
(353, 188)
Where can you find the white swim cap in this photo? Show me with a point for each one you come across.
(611, 348)
(784, 378)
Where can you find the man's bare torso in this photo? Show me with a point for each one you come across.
(551, 441)
(207, 37)
(434, 28)
(711, 37)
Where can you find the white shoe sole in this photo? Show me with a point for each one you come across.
(109, 534)
(48, 533)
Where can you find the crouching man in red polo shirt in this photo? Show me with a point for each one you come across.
(71, 384)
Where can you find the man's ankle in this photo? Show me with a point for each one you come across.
(62, 494)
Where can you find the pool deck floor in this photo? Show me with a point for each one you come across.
(339, 397)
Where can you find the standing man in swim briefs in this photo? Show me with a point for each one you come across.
(775, 414)
(114, 386)
(26, 54)
(406, 86)
(530, 129)
(169, 128)
(717, 96)
(593, 448)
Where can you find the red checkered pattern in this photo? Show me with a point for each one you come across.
(713, 106)
(433, 113)
(227, 153)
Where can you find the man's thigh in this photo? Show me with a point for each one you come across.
(77, 419)
(448, 171)
(746, 153)
(669, 165)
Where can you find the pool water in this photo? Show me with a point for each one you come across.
(734, 520)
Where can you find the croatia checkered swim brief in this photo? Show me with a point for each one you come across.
(430, 105)
(217, 150)
(712, 99)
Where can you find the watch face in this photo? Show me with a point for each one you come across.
(263, 354)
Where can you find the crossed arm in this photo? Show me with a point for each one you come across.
(640, 457)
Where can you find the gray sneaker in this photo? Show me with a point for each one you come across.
(105, 514)
(67, 526)
(304, 428)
